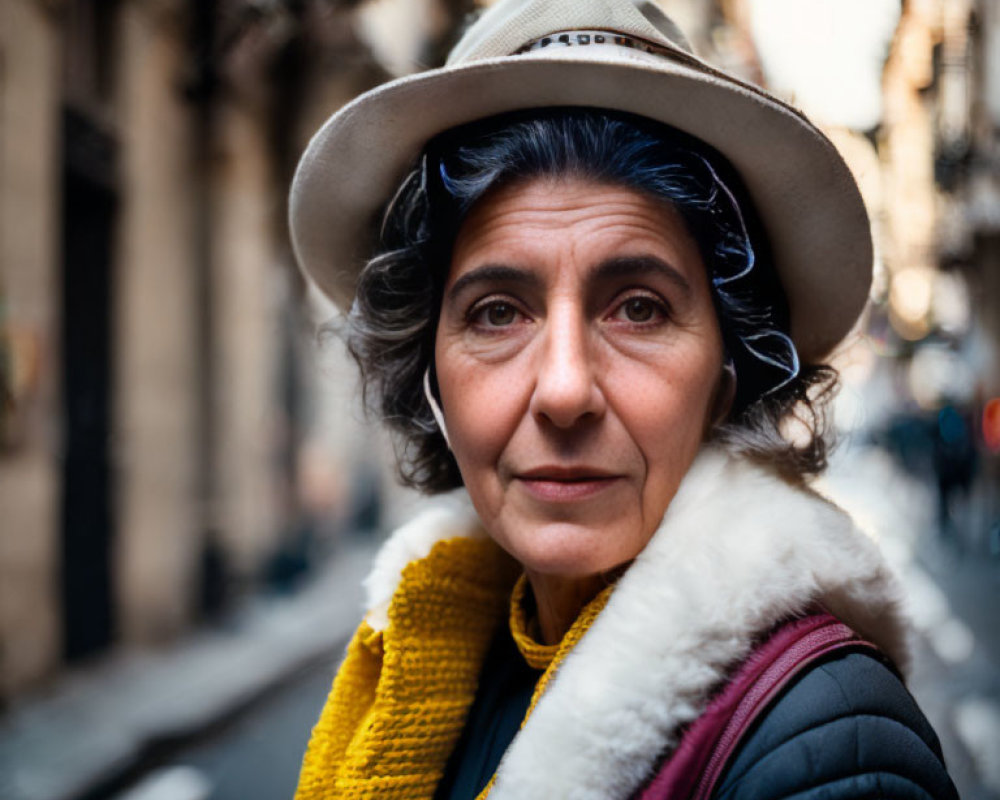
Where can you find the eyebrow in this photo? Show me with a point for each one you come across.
(636, 266)
(619, 267)
(494, 273)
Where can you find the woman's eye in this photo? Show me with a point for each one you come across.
(501, 314)
(640, 309)
(496, 314)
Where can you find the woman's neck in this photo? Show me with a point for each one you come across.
(558, 601)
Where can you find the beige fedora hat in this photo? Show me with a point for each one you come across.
(623, 55)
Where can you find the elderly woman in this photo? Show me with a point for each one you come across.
(604, 280)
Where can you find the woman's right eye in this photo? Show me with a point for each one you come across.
(494, 314)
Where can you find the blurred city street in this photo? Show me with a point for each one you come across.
(113, 722)
(952, 594)
(190, 490)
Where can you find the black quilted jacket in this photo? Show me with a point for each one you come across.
(846, 728)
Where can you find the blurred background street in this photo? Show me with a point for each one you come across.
(189, 491)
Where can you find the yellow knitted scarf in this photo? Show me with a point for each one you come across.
(400, 698)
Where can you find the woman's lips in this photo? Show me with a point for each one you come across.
(565, 485)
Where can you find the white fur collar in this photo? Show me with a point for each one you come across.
(737, 551)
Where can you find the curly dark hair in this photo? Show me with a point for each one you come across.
(391, 326)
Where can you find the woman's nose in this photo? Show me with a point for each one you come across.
(567, 390)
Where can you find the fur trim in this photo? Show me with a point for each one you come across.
(737, 551)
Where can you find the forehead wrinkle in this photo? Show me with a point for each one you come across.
(509, 223)
(573, 194)
(611, 210)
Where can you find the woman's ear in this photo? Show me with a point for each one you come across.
(725, 394)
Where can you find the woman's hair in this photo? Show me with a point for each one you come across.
(392, 324)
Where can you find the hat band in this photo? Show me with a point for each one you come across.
(595, 39)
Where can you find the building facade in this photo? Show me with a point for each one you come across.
(156, 376)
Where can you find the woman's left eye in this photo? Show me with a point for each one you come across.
(640, 309)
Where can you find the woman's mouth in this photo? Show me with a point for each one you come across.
(565, 484)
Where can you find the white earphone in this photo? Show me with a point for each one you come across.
(435, 408)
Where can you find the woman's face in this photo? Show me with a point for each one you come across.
(579, 360)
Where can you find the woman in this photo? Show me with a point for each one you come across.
(601, 327)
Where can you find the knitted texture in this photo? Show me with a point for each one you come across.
(544, 656)
(524, 629)
(401, 696)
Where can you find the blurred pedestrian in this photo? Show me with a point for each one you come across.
(604, 283)
(955, 459)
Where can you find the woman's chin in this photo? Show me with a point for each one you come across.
(570, 551)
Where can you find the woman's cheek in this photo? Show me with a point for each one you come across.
(486, 412)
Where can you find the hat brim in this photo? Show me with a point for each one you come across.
(804, 194)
